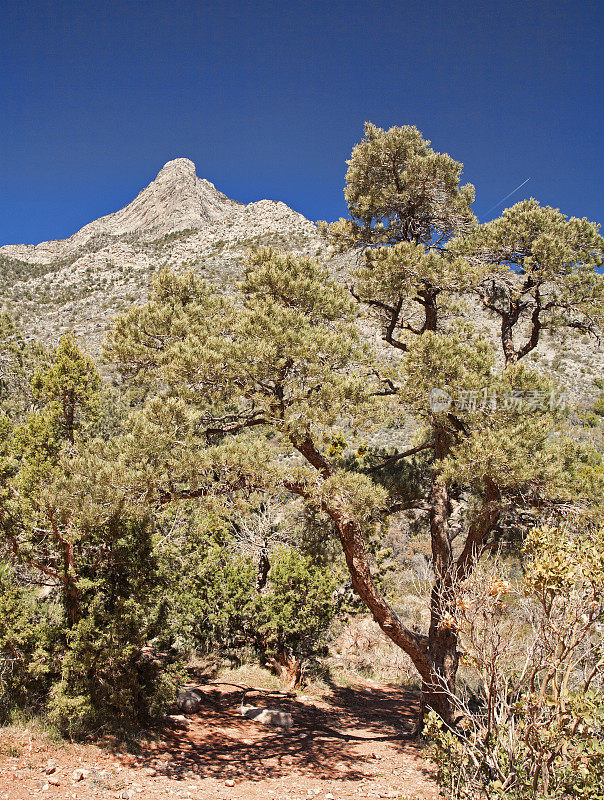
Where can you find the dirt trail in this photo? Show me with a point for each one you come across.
(217, 754)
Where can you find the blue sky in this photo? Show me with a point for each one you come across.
(268, 99)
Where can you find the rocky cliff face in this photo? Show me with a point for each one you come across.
(179, 219)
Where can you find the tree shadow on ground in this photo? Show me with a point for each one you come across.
(331, 742)
(376, 709)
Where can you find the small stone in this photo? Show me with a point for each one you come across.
(54, 781)
(125, 795)
(51, 766)
(329, 796)
(229, 783)
(46, 787)
(78, 774)
(150, 772)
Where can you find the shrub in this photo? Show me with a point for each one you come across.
(109, 676)
(217, 603)
(534, 725)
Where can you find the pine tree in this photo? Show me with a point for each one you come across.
(424, 256)
(541, 273)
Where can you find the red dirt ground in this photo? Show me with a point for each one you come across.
(217, 755)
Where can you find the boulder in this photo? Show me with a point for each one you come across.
(189, 700)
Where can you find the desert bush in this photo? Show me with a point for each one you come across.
(82, 599)
(93, 670)
(295, 613)
(533, 725)
(109, 676)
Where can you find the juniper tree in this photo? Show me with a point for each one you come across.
(69, 387)
(66, 393)
(92, 555)
(219, 601)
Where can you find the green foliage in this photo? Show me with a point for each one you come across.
(86, 662)
(211, 589)
(270, 356)
(405, 203)
(275, 361)
(69, 388)
(91, 667)
(561, 564)
(543, 272)
(295, 612)
(540, 241)
(301, 283)
(108, 676)
(216, 604)
(18, 360)
(107, 671)
(572, 749)
(29, 650)
(399, 189)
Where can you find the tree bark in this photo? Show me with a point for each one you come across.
(442, 637)
(288, 668)
(434, 656)
(262, 570)
(430, 303)
(508, 321)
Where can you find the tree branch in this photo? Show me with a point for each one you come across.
(479, 530)
(398, 456)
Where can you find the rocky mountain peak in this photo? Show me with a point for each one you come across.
(178, 220)
(177, 166)
(176, 200)
(182, 172)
